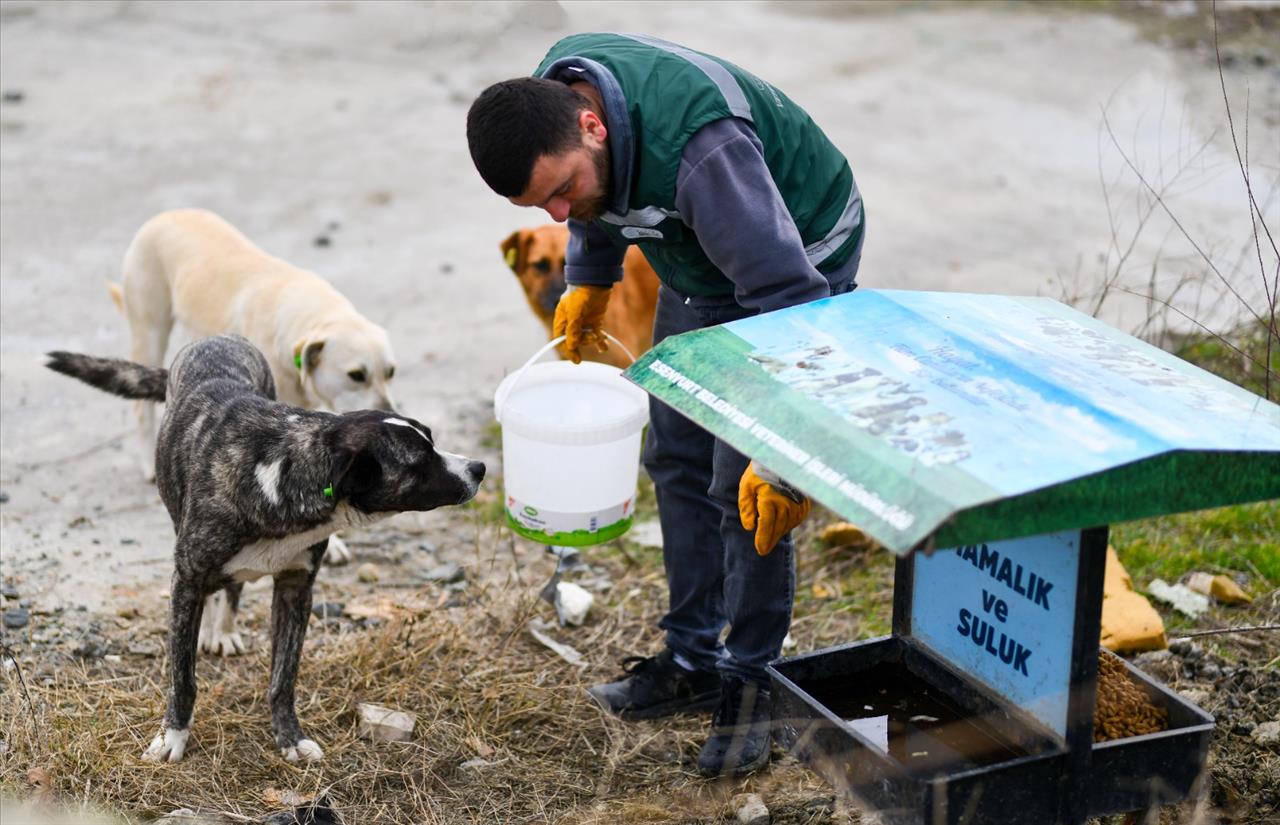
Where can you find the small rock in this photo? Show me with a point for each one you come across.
(128, 541)
(16, 617)
(447, 573)
(187, 816)
(9, 591)
(1196, 695)
(1209, 671)
(13, 96)
(322, 240)
(367, 572)
(328, 610)
(572, 603)
(1267, 734)
(147, 647)
(474, 764)
(750, 809)
(1244, 728)
(92, 647)
(382, 724)
(127, 612)
(4, 498)
(1161, 664)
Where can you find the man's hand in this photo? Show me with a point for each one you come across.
(580, 318)
(771, 510)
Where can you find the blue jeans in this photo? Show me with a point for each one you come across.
(713, 573)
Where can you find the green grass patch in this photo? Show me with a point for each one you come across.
(1243, 538)
(1239, 356)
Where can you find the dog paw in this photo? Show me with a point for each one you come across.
(222, 644)
(305, 749)
(168, 746)
(337, 553)
(218, 634)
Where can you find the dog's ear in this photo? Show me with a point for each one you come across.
(306, 354)
(353, 470)
(514, 248)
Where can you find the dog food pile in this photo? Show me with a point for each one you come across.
(1123, 709)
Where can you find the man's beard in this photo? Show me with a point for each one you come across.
(594, 208)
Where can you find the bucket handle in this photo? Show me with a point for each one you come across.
(501, 402)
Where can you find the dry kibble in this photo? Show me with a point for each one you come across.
(1123, 709)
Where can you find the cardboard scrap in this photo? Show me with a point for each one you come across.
(388, 608)
(844, 534)
(1129, 622)
(382, 724)
(1221, 588)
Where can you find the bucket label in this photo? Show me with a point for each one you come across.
(551, 521)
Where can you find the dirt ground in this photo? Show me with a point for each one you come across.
(993, 144)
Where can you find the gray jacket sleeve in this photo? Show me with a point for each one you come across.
(593, 259)
(726, 194)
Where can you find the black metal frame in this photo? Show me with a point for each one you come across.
(1091, 780)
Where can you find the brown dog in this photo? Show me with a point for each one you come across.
(536, 255)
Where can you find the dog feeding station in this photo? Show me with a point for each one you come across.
(987, 441)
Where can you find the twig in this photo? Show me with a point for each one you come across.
(1151, 190)
(8, 651)
(1221, 339)
(1241, 629)
(1271, 290)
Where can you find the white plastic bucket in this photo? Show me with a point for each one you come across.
(570, 449)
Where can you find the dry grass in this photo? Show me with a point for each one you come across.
(481, 687)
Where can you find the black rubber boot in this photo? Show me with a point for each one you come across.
(740, 731)
(656, 686)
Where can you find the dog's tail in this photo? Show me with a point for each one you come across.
(113, 375)
(117, 294)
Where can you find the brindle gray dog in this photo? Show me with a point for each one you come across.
(254, 488)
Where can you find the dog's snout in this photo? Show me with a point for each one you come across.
(475, 471)
(551, 296)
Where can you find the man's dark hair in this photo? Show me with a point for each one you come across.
(515, 122)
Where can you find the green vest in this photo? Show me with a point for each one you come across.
(671, 92)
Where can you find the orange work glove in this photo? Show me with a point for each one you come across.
(580, 319)
(771, 509)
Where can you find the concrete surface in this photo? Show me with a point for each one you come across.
(975, 133)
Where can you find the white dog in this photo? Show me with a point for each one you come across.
(189, 266)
